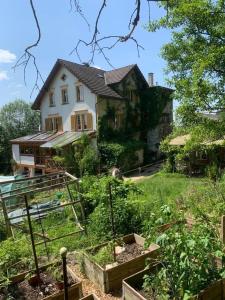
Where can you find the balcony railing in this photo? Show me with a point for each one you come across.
(42, 160)
(47, 162)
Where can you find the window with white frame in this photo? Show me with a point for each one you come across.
(80, 93)
(51, 99)
(65, 98)
(81, 121)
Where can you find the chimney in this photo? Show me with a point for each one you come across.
(150, 79)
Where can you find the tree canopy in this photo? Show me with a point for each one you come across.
(196, 54)
(16, 119)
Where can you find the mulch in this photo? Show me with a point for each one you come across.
(24, 290)
(131, 251)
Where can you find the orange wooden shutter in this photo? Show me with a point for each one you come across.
(47, 124)
(72, 123)
(89, 121)
(60, 125)
(75, 123)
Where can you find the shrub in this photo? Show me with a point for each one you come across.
(96, 190)
(121, 154)
(126, 219)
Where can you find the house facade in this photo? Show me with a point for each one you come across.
(72, 101)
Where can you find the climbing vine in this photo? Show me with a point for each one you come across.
(152, 103)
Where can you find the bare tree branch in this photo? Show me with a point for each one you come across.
(78, 9)
(95, 42)
(28, 56)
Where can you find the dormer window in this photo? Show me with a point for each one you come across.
(80, 93)
(51, 99)
(65, 99)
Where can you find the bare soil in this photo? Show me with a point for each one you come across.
(131, 251)
(24, 290)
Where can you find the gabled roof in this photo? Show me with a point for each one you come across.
(115, 76)
(97, 80)
(92, 77)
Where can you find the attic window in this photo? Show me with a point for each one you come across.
(63, 77)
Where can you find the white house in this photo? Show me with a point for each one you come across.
(71, 101)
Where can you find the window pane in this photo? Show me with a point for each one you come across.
(78, 93)
(79, 122)
(64, 96)
(84, 121)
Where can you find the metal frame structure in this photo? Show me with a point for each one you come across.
(31, 186)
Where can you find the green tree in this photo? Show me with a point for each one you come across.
(16, 119)
(196, 54)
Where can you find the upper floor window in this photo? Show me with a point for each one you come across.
(65, 98)
(80, 93)
(25, 150)
(51, 99)
(81, 121)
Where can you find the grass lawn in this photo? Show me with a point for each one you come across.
(164, 189)
(167, 187)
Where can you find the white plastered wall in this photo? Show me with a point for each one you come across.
(66, 110)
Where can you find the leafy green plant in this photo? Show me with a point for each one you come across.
(104, 255)
(187, 261)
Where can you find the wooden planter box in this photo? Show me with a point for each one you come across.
(90, 297)
(74, 291)
(111, 279)
(133, 284)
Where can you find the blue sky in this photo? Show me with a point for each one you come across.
(61, 29)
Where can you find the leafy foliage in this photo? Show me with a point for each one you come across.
(187, 262)
(119, 154)
(104, 255)
(195, 56)
(16, 119)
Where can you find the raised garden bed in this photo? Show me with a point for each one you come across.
(22, 287)
(133, 288)
(90, 297)
(128, 262)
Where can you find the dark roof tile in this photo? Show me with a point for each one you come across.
(117, 75)
(92, 77)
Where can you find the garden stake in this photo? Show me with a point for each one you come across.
(32, 239)
(223, 229)
(63, 253)
(112, 220)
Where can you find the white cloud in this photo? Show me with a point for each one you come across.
(3, 75)
(6, 56)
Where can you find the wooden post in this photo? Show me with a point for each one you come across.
(80, 198)
(63, 253)
(7, 222)
(112, 220)
(32, 238)
(222, 233)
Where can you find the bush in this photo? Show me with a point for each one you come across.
(96, 190)
(121, 155)
(126, 219)
(11, 253)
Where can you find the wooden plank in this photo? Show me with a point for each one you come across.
(94, 273)
(111, 279)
